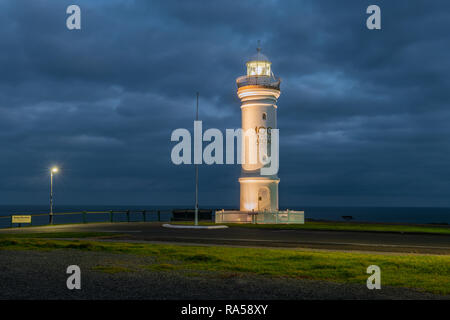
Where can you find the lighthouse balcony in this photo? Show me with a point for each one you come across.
(261, 81)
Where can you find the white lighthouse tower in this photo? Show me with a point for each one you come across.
(258, 92)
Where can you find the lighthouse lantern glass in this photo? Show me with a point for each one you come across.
(258, 68)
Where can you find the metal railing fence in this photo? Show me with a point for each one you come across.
(42, 219)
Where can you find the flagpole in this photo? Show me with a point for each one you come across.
(196, 177)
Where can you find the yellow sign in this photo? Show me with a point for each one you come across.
(21, 219)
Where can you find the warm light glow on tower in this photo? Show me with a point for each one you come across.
(259, 65)
(258, 92)
(258, 68)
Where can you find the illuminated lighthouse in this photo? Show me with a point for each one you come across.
(258, 92)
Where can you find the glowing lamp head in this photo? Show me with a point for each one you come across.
(259, 65)
(55, 170)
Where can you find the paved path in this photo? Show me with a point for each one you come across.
(240, 236)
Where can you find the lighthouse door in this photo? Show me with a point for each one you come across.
(263, 199)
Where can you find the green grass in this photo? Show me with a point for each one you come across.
(111, 269)
(351, 226)
(422, 272)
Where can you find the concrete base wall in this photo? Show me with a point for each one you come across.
(277, 217)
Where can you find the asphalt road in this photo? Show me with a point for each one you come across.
(241, 236)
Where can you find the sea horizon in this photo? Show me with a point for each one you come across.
(394, 214)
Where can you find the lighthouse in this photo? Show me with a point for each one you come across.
(258, 92)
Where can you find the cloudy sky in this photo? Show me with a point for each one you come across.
(363, 116)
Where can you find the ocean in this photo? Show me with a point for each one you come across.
(419, 215)
(381, 214)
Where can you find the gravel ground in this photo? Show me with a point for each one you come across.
(42, 275)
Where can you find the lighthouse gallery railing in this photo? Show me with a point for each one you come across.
(268, 82)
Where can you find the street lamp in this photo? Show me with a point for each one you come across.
(52, 171)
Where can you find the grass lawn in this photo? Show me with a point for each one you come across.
(342, 226)
(422, 272)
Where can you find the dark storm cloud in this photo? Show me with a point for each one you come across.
(363, 114)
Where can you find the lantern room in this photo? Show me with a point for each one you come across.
(259, 65)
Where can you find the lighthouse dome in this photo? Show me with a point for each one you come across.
(259, 57)
(259, 65)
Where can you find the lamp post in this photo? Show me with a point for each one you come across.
(52, 171)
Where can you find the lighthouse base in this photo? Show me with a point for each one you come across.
(266, 217)
(259, 194)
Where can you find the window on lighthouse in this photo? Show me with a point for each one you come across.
(264, 116)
